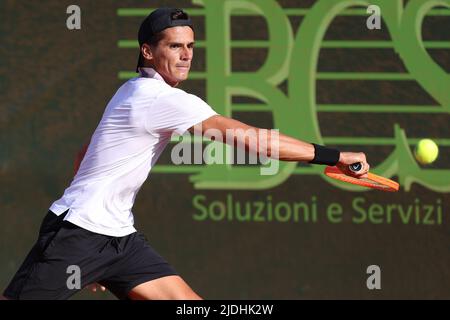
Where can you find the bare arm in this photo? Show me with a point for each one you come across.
(289, 149)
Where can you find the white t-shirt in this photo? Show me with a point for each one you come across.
(135, 128)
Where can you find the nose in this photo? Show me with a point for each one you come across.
(186, 54)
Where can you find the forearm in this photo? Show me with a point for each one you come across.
(273, 144)
(291, 149)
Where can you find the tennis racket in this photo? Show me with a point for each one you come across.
(372, 181)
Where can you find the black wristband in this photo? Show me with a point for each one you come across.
(324, 155)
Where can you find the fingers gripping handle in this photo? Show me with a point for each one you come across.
(355, 167)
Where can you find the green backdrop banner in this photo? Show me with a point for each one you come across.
(315, 70)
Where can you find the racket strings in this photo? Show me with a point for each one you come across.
(372, 181)
(359, 181)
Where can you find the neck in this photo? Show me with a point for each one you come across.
(151, 72)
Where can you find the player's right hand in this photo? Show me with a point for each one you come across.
(348, 158)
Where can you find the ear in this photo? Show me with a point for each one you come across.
(146, 51)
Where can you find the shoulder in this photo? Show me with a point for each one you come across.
(175, 96)
(146, 86)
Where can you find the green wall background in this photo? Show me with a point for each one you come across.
(311, 69)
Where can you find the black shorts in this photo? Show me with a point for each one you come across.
(63, 251)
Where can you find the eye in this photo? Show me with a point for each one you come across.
(174, 45)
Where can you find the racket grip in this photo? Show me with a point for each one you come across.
(355, 167)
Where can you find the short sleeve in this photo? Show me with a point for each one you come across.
(177, 111)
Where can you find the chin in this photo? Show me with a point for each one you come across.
(183, 77)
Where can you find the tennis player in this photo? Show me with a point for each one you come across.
(91, 225)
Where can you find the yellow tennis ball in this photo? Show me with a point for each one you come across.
(426, 151)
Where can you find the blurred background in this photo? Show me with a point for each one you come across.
(322, 71)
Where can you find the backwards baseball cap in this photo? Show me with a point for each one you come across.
(157, 21)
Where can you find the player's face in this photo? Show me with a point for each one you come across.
(173, 55)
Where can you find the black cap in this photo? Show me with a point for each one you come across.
(157, 21)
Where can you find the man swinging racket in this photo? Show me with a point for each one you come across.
(91, 225)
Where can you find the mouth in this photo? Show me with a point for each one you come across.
(183, 68)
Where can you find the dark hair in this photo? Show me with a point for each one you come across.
(155, 39)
